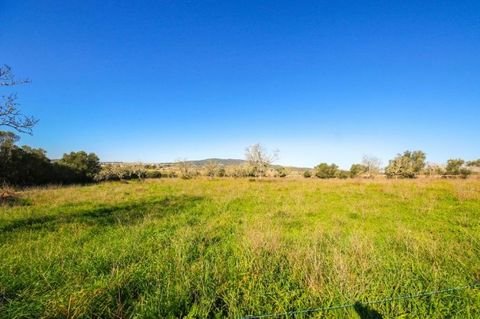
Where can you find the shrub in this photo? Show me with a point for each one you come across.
(153, 174)
(172, 174)
(281, 172)
(342, 174)
(120, 172)
(221, 172)
(307, 174)
(7, 195)
(433, 169)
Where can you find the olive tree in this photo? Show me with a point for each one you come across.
(307, 174)
(475, 163)
(406, 165)
(456, 167)
(323, 170)
(357, 169)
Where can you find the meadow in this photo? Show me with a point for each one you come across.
(201, 248)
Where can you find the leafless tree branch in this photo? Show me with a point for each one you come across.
(10, 115)
(7, 78)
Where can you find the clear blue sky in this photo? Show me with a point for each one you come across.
(329, 81)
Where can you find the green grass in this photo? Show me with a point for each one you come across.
(231, 248)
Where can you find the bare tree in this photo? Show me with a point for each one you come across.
(10, 114)
(259, 159)
(211, 168)
(186, 168)
(432, 169)
(372, 164)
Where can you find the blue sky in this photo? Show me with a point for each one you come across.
(322, 81)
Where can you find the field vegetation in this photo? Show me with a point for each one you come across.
(210, 247)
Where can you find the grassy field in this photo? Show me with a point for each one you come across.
(231, 248)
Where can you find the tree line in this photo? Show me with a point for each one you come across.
(24, 165)
(409, 164)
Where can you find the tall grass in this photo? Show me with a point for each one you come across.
(230, 248)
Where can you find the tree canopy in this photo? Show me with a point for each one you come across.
(406, 165)
(323, 170)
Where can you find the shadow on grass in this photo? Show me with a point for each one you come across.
(122, 214)
(365, 312)
(15, 201)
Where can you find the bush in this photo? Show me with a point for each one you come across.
(342, 174)
(221, 172)
(153, 174)
(121, 172)
(465, 172)
(307, 174)
(172, 174)
(281, 172)
(7, 195)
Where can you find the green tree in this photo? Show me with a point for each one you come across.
(455, 167)
(357, 169)
(24, 165)
(8, 138)
(475, 163)
(221, 172)
(86, 166)
(323, 170)
(406, 165)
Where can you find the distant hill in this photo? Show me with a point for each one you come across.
(221, 161)
(234, 161)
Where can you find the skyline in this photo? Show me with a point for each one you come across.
(320, 82)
